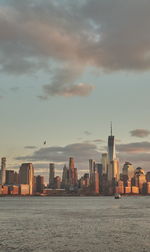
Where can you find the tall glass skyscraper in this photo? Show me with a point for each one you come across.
(113, 163)
(51, 175)
(111, 147)
(3, 170)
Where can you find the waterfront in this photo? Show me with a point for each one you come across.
(74, 224)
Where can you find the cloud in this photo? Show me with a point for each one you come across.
(62, 84)
(117, 140)
(141, 133)
(30, 147)
(82, 152)
(36, 35)
(98, 141)
(80, 89)
(137, 147)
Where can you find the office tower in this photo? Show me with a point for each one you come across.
(120, 188)
(3, 170)
(71, 171)
(148, 188)
(26, 176)
(140, 178)
(99, 169)
(51, 175)
(10, 177)
(113, 163)
(65, 177)
(148, 176)
(57, 182)
(16, 178)
(96, 182)
(104, 161)
(115, 169)
(86, 179)
(111, 147)
(128, 170)
(92, 171)
(39, 184)
(75, 176)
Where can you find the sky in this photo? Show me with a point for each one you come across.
(68, 68)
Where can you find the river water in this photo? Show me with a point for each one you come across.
(74, 224)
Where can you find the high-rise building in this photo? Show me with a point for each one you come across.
(39, 184)
(92, 172)
(115, 166)
(111, 147)
(10, 177)
(51, 175)
(113, 163)
(26, 176)
(3, 170)
(16, 178)
(65, 177)
(96, 181)
(104, 161)
(75, 176)
(140, 178)
(128, 170)
(71, 172)
(99, 169)
(148, 176)
(86, 179)
(57, 182)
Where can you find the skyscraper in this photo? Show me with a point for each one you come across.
(39, 184)
(128, 170)
(51, 175)
(113, 163)
(75, 176)
(104, 161)
(10, 177)
(71, 171)
(140, 178)
(3, 170)
(26, 176)
(111, 147)
(65, 177)
(92, 172)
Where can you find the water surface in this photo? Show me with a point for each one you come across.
(74, 224)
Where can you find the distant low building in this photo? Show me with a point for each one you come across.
(24, 189)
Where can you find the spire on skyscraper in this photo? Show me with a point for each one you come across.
(111, 128)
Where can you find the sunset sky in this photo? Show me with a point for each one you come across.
(68, 68)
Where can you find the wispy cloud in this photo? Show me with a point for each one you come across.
(82, 152)
(30, 147)
(137, 147)
(141, 133)
(98, 141)
(35, 35)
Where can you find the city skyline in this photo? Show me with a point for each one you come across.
(102, 178)
(82, 152)
(67, 70)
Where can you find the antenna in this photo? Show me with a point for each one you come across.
(111, 128)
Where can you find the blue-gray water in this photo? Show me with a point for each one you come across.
(79, 224)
